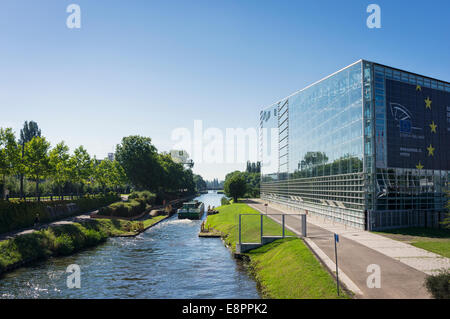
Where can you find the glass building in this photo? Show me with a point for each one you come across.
(368, 146)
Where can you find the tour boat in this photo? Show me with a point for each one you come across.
(191, 210)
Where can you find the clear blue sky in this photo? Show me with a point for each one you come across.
(147, 67)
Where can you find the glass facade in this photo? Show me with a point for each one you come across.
(326, 149)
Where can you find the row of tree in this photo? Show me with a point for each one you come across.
(31, 157)
(137, 163)
(147, 169)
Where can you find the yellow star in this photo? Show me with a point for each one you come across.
(428, 103)
(430, 150)
(418, 88)
(419, 166)
(433, 127)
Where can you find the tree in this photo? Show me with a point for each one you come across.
(27, 133)
(103, 173)
(37, 161)
(235, 186)
(60, 165)
(140, 161)
(200, 183)
(119, 178)
(9, 155)
(80, 165)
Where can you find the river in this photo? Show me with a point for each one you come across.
(168, 260)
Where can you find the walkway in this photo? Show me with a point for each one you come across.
(402, 266)
(65, 221)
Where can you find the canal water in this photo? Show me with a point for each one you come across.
(169, 260)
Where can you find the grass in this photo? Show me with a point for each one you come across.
(228, 220)
(61, 240)
(431, 239)
(151, 221)
(284, 269)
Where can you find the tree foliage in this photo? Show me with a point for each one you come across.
(235, 185)
(36, 160)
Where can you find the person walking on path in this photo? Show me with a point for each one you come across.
(36, 221)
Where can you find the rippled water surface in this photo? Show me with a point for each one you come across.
(167, 261)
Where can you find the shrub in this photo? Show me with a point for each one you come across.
(129, 208)
(64, 245)
(18, 214)
(224, 201)
(136, 204)
(146, 196)
(439, 285)
(94, 237)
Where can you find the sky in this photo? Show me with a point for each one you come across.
(150, 67)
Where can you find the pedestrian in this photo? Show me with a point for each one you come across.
(36, 220)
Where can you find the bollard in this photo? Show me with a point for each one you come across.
(282, 219)
(304, 225)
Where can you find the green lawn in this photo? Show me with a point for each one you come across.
(431, 239)
(286, 268)
(228, 223)
(153, 220)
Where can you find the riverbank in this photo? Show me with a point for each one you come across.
(67, 239)
(284, 269)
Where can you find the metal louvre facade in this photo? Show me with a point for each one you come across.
(331, 147)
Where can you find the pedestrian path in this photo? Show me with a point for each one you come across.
(65, 221)
(417, 258)
(357, 251)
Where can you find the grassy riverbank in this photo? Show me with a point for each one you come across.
(285, 268)
(63, 240)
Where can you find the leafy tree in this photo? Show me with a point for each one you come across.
(80, 165)
(235, 186)
(60, 165)
(27, 133)
(200, 183)
(118, 178)
(37, 160)
(9, 155)
(140, 161)
(103, 172)
(171, 173)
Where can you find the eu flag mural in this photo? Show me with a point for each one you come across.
(418, 126)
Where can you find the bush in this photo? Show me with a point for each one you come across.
(439, 285)
(224, 201)
(18, 214)
(94, 237)
(146, 196)
(64, 245)
(136, 204)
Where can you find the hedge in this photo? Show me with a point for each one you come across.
(17, 214)
(439, 285)
(136, 204)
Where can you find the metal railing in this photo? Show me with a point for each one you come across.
(279, 219)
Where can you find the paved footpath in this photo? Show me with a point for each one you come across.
(403, 267)
(65, 221)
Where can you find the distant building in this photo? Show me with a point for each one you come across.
(111, 156)
(368, 146)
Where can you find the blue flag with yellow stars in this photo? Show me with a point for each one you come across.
(418, 126)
